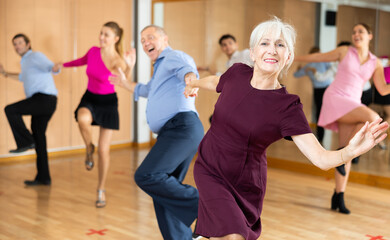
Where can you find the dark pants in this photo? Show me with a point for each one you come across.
(318, 94)
(367, 97)
(41, 107)
(161, 174)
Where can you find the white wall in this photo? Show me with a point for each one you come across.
(328, 34)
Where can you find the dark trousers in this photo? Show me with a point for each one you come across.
(161, 174)
(367, 97)
(41, 107)
(318, 95)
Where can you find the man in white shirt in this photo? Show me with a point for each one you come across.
(229, 46)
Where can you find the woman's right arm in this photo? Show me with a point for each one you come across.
(365, 139)
(334, 55)
(75, 63)
(193, 84)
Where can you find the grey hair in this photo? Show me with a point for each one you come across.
(277, 28)
(158, 29)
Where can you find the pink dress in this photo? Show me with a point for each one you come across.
(344, 93)
(97, 72)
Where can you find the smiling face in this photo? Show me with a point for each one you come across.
(153, 42)
(271, 54)
(20, 45)
(107, 37)
(360, 36)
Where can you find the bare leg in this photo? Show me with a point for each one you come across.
(346, 132)
(84, 119)
(104, 158)
(349, 124)
(229, 237)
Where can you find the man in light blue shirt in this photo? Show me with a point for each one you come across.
(41, 101)
(175, 119)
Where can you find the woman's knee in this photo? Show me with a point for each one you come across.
(84, 116)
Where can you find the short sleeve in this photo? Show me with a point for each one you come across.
(294, 121)
(225, 77)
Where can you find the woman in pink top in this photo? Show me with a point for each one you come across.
(99, 104)
(342, 109)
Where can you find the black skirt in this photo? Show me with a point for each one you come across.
(104, 109)
(382, 100)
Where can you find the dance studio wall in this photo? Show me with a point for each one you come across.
(348, 16)
(63, 30)
(195, 27)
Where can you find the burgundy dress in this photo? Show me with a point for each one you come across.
(231, 169)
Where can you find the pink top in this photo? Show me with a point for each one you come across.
(344, 93)
(97, 72)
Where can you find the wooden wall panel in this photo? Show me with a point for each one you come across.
(348, 16)
(223, 17)
(302, 16)
(186, 35)
(3, 81)
(260, 11)
(51, 37)
(384, 34)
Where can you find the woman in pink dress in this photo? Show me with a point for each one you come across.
(253, 111)
(99, 104)
(342, 110)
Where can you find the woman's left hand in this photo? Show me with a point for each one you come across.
(368, 136)
(190, 90)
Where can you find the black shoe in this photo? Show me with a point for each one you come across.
(37, 182)
(338, 203)
(22, 149)
(196, 236)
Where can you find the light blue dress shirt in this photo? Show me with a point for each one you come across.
(165, 91)
(320, 67)
(36, 74)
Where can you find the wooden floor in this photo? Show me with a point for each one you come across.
(296, 205)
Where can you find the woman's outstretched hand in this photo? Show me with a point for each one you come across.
(368, 136)
(57, 67)
(190, 90)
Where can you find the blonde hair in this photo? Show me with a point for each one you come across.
(119, 33)
(278, 28)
